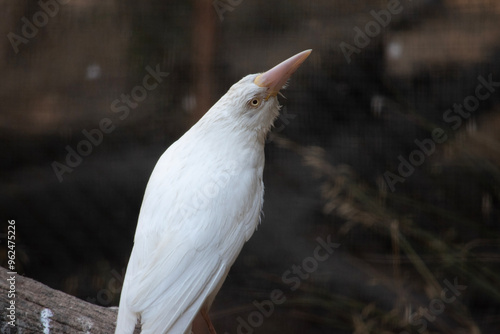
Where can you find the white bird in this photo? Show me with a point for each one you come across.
(202, 203)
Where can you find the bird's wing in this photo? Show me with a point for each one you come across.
(177, 261)
(172, 284)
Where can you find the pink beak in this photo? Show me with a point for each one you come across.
(276, 78)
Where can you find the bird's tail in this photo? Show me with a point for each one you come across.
(125, 324)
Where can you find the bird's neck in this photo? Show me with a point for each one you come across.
(221, 141)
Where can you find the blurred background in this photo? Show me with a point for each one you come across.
(417, 225)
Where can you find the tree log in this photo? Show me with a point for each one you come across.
(40, 309)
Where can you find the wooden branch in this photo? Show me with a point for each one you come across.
(40, 309)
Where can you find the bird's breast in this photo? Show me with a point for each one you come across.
(210, 200)
(226, 208)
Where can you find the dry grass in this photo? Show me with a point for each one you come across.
(414, 249)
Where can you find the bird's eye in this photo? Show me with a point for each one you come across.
(255, 102)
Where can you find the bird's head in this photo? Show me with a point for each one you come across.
(252, 102)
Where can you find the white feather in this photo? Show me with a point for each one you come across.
(202, 203)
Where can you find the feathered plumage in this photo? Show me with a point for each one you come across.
(202, 203)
